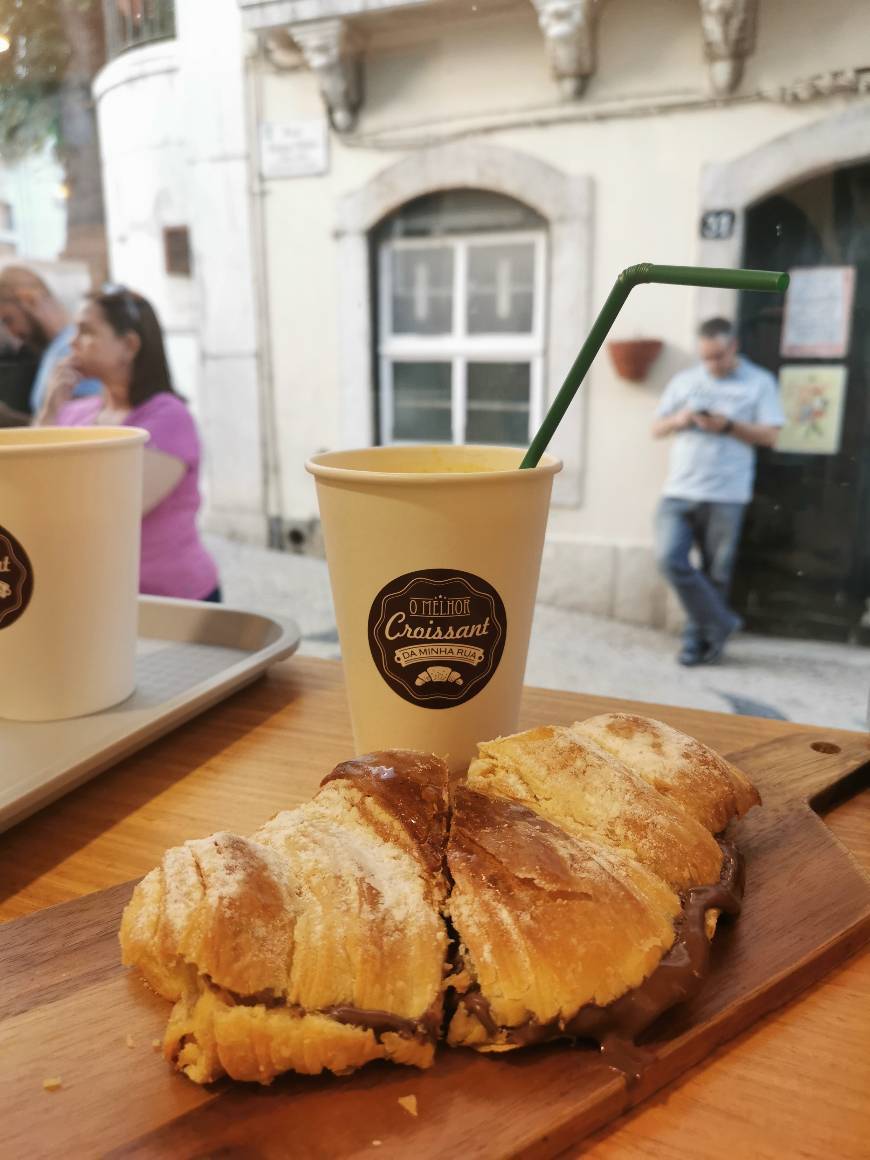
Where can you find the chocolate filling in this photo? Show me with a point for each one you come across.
(378, 1022)
(677, 977)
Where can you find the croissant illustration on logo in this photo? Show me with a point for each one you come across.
(439, 673)
(441, 615)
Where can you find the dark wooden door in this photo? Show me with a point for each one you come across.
(804, 564)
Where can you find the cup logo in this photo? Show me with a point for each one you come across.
(437, 636)
(16, 579)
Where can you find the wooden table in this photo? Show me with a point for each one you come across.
(797, 1084)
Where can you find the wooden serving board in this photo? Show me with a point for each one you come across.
(69, 1010)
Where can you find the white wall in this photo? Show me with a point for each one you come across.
(144, 151)
(212, 112)
(172, 121)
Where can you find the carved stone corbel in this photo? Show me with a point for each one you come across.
(281, 51)
(328, 51)
(729, 37)
(569, 31)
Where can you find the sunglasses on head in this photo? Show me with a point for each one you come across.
(125, 296)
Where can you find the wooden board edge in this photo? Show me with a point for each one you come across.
(687, 1051)
(830, 772)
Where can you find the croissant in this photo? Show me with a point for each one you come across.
(315, 944)
(572, 892)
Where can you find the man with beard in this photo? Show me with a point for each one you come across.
(35, 317)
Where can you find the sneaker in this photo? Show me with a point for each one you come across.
(715, 648)
(690, 655)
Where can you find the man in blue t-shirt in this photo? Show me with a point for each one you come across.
(33, 315)
(718, 413)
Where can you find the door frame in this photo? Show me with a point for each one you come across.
(841, 139)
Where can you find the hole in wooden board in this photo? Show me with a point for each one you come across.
(825, 747)
(845, 809)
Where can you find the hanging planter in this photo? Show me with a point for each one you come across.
(633, 357)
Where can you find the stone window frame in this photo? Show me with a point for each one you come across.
(562, 199)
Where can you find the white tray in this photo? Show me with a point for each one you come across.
(189, 656)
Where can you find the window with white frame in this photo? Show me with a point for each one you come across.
(461, 320)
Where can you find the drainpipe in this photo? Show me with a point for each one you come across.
(269, 450)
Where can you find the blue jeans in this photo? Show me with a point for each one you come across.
(715, 529)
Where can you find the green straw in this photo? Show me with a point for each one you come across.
(767, 281)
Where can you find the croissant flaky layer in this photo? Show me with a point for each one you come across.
(370, 922)
(285, 949)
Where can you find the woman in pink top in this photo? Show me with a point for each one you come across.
(119, 342)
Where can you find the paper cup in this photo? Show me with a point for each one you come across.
(434, 554)
(70, 518)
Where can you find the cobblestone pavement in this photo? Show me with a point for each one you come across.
(804, 681)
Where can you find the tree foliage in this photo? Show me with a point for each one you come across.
(33, 69)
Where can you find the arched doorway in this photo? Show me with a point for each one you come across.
(804, 567)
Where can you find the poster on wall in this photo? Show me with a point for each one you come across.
(812, 398)
(818, 312)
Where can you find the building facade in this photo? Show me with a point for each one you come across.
(403, 217)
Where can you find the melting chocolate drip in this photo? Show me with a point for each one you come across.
(677, 977)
